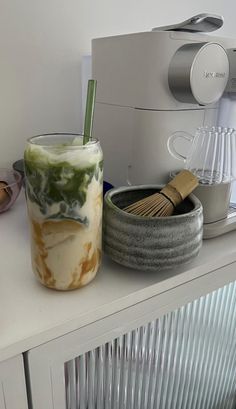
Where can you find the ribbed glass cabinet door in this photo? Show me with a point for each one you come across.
(184, 360)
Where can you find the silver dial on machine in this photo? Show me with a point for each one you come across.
(198, 73)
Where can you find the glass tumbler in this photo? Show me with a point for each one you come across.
(64, 200)
(210, 157)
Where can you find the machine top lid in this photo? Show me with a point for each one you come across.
(201, 23)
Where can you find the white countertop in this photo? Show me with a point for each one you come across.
(31, 314)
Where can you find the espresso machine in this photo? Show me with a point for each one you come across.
(154, 90)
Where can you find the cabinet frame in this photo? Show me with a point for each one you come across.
(12, 384)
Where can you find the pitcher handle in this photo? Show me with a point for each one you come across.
(171, 143)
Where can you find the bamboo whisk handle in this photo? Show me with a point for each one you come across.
(180, 187)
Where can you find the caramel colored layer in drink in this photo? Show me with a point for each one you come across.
(65, 255)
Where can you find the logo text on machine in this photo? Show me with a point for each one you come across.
(214, 74)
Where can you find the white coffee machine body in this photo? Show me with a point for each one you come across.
(152, 86)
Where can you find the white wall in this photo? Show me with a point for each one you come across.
(41, 44)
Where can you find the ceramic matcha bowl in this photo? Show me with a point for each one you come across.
(146, 243)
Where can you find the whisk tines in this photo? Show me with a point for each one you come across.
(164, 202)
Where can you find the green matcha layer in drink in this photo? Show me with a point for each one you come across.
(64, 197)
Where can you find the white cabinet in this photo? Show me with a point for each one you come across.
(139, 358)
(12, 384)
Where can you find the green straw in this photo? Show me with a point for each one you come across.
(89, 113)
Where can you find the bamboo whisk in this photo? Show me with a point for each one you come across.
(164, 202)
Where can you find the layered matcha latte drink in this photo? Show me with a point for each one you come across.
(64, 198)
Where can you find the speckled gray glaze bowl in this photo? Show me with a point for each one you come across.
(146, 243)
